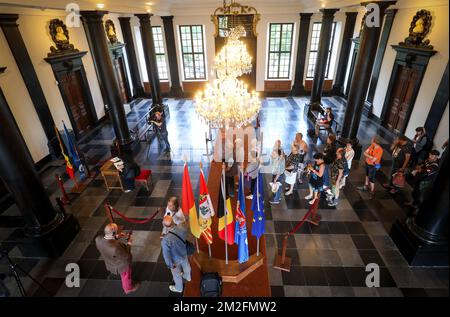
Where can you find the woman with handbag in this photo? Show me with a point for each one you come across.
(302, 148)
(401, 154)
(292, 162)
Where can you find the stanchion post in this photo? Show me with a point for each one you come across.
(282, 262)
(65, 198)
(109, 213)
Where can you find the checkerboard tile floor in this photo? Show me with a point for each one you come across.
(327, 260)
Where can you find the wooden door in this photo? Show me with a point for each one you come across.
(120, 76)
(80, 113)
(402, 95)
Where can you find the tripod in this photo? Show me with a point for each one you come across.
(13, 268)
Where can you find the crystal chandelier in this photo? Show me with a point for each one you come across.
(227, 101)
(233, 59)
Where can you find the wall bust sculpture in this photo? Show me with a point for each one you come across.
(60, 36)
(418, 30)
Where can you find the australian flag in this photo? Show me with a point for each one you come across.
(240, 231)
(259, 218)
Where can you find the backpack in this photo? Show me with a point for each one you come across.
(211, 285)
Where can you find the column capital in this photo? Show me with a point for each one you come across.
(144, 17)
(305, 15)
(328, 13)
(125, 19)
(351, 14)
(93, 16)
(8, 19)
(167, 17)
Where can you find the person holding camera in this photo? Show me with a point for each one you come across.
(117, 255)
(316, 172)
(173, 246)
(161, 130)
(336, 174)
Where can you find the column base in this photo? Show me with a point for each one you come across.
(337, 91)
(50, 244)
(176, 92)
(414, 250)
(54, 148)
(368, 107)
(298, 91)
(138, 92)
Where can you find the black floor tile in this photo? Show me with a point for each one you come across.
(337, 227)
(336, 276)
(355, 228)
(294, 277)
(356, 276)
(315, 276)
(49, 287)
(161, 273)
(282, 226)
(363, 242)
(143, 271)
(371, 256)
(277, 291)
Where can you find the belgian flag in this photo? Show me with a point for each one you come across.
(225, 214)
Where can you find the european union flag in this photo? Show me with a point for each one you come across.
(240, 231)
(259, 218)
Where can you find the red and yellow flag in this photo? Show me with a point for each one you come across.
(188, 203)
(206, 210)
(69, 167)
(225, 215)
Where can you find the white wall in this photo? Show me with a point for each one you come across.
(19, 101)
(438, 37)
(442, 132)
(33, 25)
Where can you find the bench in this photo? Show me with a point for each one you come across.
(333, 128)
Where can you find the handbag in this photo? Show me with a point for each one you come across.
(190, 249)
(398, 179)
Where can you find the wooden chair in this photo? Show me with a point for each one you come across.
(144, 177)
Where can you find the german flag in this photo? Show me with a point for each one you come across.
(224, 212)
(188, 203)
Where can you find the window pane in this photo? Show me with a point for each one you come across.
(315, 39)
(280, 47)
(191, 37)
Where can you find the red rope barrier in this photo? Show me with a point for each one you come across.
(311, 209)
(133, 220)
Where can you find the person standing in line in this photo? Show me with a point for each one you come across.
(173, 246)
(329, 155)
(292, 162)
(302, 148)
(252, 172)
(401, 154)
(278, 167)
(373, 155)
(161, 130)
(173, 209)
(316, 178)
(231, 171)
(424, 174)
(349, 154)
(420, 142)
(336, 174)
(117, 255)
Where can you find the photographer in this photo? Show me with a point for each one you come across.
(161, 130)
(117, 255)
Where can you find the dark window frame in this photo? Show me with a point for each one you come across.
(279, 51)
(330, 50)
(183, 53)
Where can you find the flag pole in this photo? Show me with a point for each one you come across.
(223, 184)
(257, 201)
(209, 250)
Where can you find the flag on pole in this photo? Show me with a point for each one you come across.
(69, 167)
(225, 214)
(188, 203)
(206, 210)
(71, 148)
(259, 218)
(241, 224)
